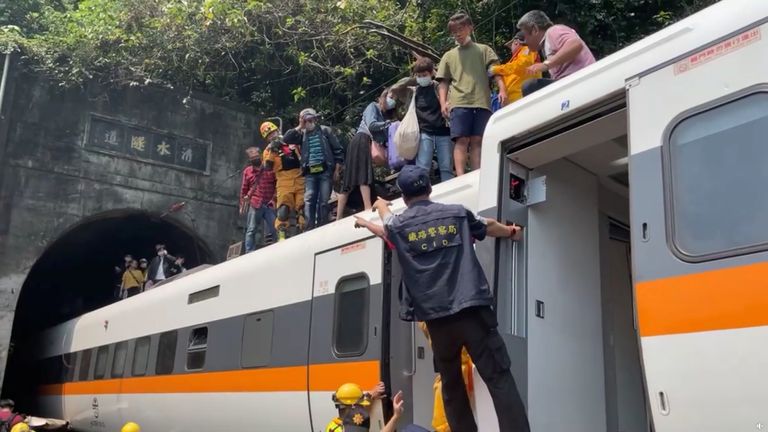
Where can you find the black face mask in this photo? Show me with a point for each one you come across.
(256, 162)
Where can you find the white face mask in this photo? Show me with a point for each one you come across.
(424, 81)
(310, 126)
(391, 103)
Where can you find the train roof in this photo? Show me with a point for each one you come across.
(276, 275)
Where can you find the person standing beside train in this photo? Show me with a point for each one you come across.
(444, 286)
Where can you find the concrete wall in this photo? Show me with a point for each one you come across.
(51, 176)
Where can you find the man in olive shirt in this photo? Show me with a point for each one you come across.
(464, 70)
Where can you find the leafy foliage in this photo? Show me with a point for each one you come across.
(279, 56)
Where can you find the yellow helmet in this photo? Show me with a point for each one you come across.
(350, 394)
(21, 427)
(130, 427)
(267, 128)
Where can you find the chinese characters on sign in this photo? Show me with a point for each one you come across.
(433, 237)
(144, 144)
(726, 47)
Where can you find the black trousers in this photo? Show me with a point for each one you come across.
(535, 84)
(476, 329)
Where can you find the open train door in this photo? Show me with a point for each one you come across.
(346, 326)
(698, 157)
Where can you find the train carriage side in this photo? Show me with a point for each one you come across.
(636, 301)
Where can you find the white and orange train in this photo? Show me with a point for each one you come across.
(637, 301)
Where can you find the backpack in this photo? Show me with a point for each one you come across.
(7, 425)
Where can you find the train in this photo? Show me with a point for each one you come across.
(636, 300)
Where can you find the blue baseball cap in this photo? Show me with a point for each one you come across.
(413, 181)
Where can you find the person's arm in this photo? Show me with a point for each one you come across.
(502, 89)
(497, 229)
(571, 48)
(442, 94)
(398, 405)
(374, 228)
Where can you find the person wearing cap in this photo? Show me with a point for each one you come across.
(321, 159)
(283, 156)
(353, 406)
(444, 285)
(514, 72)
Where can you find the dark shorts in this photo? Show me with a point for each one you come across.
(468, 122)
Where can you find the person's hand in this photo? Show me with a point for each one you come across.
(503, 98)
(378, 391)
(336, 173)
(242, 207)
(446, 109)
(515, 232)
(398, 404)
(380, 203)
(292, 147)
(360, 222)
(536, 68)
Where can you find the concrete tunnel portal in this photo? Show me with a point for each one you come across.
(76, 274)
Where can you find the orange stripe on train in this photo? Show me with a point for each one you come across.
(322, 377)
(735, 297)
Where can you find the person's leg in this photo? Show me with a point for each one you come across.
(444, 148)
(250, 228)
(324, 194)
(462, 122)
(426, 151)
(258, 231)
(341, 203)
(299, 202)
(365, 193)
(479, 122)
(270, 218)
(535, 84)
(310, 199)
(446, 347)
(489, 354)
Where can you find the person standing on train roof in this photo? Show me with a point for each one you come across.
(444, 286)
(353, 405)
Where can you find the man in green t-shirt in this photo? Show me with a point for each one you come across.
(464, 71)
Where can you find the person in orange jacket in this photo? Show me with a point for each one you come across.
(514, 71)
(283, 156)
(439, 420)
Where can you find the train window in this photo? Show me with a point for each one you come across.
(100, 370)
(716, 165)
(166, 353)
(118, 359)
(198, 345)
(257, 340)
(85, 365)
(140, 356)
(350, 317)
(69, 361)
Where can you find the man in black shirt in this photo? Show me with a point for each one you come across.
(435, 133)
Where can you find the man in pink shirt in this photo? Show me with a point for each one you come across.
(562, 50)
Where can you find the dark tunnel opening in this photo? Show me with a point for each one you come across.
(76, 274)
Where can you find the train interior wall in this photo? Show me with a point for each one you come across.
(584, 367)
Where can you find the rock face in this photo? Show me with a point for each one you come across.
(88, 175)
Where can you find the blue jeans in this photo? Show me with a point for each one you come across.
(254, 227)
(317, 192)
(269, 220)
(428, 144)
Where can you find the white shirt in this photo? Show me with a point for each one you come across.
(160, 271)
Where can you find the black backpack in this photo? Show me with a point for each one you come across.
(7, 425)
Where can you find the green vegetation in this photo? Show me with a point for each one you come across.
(281, 55)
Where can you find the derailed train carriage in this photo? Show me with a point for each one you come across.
(636, 301)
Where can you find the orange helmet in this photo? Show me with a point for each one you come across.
(267, 128)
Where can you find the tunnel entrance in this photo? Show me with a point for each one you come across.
(76, 274)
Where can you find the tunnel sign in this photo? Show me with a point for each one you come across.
(135, 142)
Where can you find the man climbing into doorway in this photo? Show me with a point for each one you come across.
(445, 286)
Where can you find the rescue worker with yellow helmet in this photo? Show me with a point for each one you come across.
(283, 156)
(130, 427)
(354, 409)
